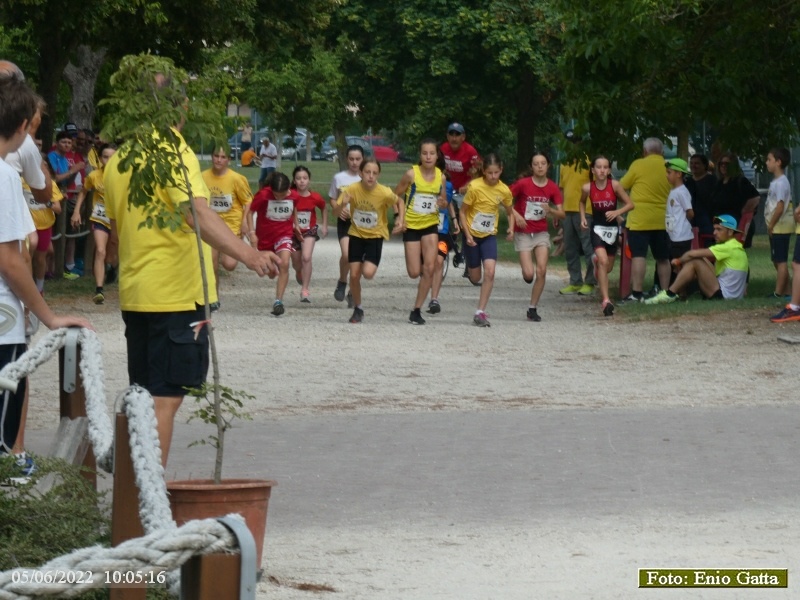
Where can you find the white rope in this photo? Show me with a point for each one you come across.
(155, 553)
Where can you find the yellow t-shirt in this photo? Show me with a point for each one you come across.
(571, 180)
(647, 181)
(482, 204)
(230, 193)
(42, 215)
(94, 183)
(368, 210)
(159, 268)
(422, 210)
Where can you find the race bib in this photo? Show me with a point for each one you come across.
(99, 212)
(221, 204)
(279, 210)
(484, 222)
(607, 233)
(365, 219)
(534, 211)
(425, 204)
(32, 203)
(304, 219)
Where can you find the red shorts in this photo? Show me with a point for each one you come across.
(45, 237)
(277, 244)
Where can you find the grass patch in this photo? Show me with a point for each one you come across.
(78, 289)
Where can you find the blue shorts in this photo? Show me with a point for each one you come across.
(656, 239)
(485, 248)
(779, 247)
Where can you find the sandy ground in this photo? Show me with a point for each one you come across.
(313, 366)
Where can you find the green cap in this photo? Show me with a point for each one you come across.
(677, 164)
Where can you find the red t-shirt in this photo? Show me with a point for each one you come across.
(273, 217)
(528, 198)
(458, 163)
(306, 213)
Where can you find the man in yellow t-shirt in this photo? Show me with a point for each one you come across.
(647, 181)
(571, 179)
(160, 284)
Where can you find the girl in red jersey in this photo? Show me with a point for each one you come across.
(604, 193)
(535, 197)
(276, 224)
(306, 206)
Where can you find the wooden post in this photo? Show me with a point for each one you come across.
(125, 522)
(73, 405)
(624, 268)
(211, 577)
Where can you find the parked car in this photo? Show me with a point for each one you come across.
(327, 150)
(380, 152)
(294, 148)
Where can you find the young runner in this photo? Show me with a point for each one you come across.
(422, 187)
(230, 195)
(367, 201)
(276, 224)
(448, 229)
(100, 223)
(603, 193)
(308, 202)
(479, 224)
(535, 197)
(355, 155)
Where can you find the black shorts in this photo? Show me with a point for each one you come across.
(365, 250)
(415, 235)
(163, 356)
(11, 402)
(678, 249)
(779, 247)
(445, 244)
(598, 242)
(656, 239)
(342, 228)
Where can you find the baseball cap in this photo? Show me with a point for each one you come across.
(456, 127)
(727, 221)
(678, 164)
(71, 129)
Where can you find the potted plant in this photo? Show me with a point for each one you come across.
(149, 99)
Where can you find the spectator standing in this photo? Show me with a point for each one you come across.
(779, 217)
(733, 194)
(572, 178)
(460, 158)
(701, 186)
(268, 154)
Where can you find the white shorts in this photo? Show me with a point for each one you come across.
(525, 242)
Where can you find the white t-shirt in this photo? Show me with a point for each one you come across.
(15, 225)
(779, 189)
(269, 156)
(340, 180)
(27, 161)
(677, 225)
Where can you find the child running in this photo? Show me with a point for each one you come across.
(603, 193)
(367, 202)
(479, 223)
(230, 195)
(355, 154)
(448, 229)
(276, 223)
(100, 223)
(424, 193)
(308, 202)
(535, 197)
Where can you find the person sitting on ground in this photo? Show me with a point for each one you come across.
(726, 279)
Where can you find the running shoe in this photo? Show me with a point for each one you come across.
(278, 308)
(608, 308)
(631, 299)
(350, 303)
(533, 315)
(25, 463)
(434, 307)
(786, 315)
(341, 287)
(214, 306)
(654, 291)
(358, 315)
(71, 275)
(305, 297)
(661, 297)
(99, 298)
(416, 318)
(586, 290)
(570, 289)
(481, 319)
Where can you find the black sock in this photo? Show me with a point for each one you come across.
(638, 294)
(671, 294)
(98, 290)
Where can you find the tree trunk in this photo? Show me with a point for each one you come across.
(529, 107)
(82, 79)
(51, 68)
(339, 132)
(683, 143)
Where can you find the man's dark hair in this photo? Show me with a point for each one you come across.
(63, 134)
(702, 158)
(17, 105)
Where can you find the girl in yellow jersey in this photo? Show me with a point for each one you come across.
(423, 188)
(101, 224)
(368, 202)
(44, 217)
(479, 217)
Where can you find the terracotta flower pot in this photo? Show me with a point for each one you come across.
(202, 499)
